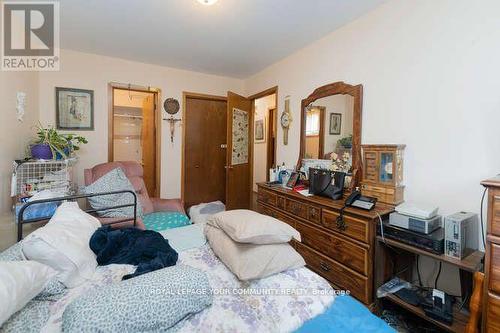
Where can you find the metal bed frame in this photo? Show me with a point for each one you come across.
(22, 221)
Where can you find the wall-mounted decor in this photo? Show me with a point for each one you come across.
(74, 109)
(240, 137)
(286, 120)
(260, 131)
(335, 123)
(171, 106)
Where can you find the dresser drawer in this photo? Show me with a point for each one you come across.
(296, 208)
(281, 202)
(495, 212)
(339, 275)
(277, 215)
(354, 227)
(343, 251)
(314, 214)
(494, 271)
(492, 313)
(267, 197)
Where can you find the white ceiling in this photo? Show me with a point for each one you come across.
(235, 38)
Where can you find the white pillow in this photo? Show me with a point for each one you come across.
(63, 244)
(250, 261)
(20, 281)
(246, 226)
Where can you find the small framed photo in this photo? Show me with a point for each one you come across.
(292, 181)
(335, 123)
(74, 109)
(260, 131)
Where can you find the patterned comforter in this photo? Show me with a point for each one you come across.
(279, 303)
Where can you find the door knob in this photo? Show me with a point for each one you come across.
(197, 166)
(228, 167)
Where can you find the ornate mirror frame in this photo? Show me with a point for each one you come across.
(335, 89)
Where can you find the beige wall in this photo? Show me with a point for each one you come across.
(262, 106)
(15, 135)
(430, 75)
(89, 71)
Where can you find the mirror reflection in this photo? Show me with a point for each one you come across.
(329, 130)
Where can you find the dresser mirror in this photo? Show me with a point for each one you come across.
(331, 129)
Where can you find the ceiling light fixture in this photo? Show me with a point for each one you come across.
(207, 2)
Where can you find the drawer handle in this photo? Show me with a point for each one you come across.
(324, 266)
(341, 222)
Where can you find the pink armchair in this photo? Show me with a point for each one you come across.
(134, 173)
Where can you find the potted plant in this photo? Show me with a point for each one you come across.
(50, 144)
(345, 142)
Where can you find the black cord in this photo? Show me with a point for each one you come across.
(482, 225)
(418, 273)
(437, 276)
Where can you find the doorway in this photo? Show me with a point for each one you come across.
(204, 152)
(133, 120)
(265, 131)
(218, 147)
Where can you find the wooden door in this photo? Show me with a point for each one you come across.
(204, 177)
(148, 137)
(239, 138)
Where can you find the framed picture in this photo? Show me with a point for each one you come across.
(260, 131)
(292, 181)
(335, 123)
(74, 109)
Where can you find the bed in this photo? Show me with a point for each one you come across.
(290, 307)
(294, 300)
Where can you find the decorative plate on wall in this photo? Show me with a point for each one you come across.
(171, 105)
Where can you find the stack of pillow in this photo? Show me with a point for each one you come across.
(252, 245)
(56, 256)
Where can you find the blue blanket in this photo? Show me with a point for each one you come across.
(146, 249)
(346, 315)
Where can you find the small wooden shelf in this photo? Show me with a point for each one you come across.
(460, 318)
(472, 263)
(127, 116)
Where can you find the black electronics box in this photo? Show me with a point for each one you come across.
(433, 242)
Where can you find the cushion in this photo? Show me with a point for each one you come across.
(63, 244)
(251, 261)
(185, 238)
(20, 281)
(115, 180)
(165, 220)
(199, 214)
(246, 226)
(53, 290)
(151, 302)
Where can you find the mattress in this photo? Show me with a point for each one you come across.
(292, 300)
(279, 303)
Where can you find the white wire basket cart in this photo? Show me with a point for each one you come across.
(32, 176)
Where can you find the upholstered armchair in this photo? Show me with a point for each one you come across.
(134, 173)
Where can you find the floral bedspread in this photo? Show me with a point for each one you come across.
(279, 303)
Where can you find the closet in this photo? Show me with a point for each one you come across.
(134, 132)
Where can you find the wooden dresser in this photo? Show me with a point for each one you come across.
(491, 312)
(342, 255)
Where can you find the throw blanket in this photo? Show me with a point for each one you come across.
(146, 249)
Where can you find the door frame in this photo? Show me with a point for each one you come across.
(185, 96)
(268, 142)
(158, 121)
(264, 93)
